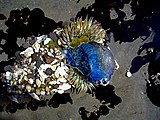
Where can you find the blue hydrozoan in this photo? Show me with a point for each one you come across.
(93, 60)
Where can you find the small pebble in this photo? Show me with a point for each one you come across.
(128, 74)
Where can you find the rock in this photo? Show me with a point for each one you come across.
(38, 92)
(128, 74)
(43, 92)
(48, 89)
(28, 88)
(64, 86)
(38, 82)
(52, 82)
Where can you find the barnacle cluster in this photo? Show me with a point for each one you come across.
(41, 71)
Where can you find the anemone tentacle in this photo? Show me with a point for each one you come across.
(80, 31)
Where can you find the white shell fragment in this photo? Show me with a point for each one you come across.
(60, 91)
(64, 86)
(47, 41)
(41, 38)
(128, 74)
(38, 82)
(52, 82)
(36, 46)
(42, 92)
(8, 75)
(60, 72)
(63, 80)
(31, 81)
(28, 52)
(28, 88)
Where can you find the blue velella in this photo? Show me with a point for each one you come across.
(93, 60)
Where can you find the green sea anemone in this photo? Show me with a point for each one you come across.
(80, 31)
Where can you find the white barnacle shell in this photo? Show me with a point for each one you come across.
(28, 52)
(47, 40)
(52, 82)
(25, 78)
(42, 49)
(58, 83)
(64, 86)
(43, 92)
(41, 38)
(61, 71)
(31, 81)
(64, 66)
(59, 42)
(30, 60)
(28, 88)
(45, 66)
(20, 80)
(54, 67)
(57, 72)
(38, 82)
(41, 70)
(38, 92)
(50, 54)
(54, 90)
(60, 91)
(36, 46)
(54, 61)
(58, 31)
(51, 50)
(15, 75)
(8, 75)
(62, 80)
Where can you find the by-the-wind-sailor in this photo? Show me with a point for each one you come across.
(91, 61)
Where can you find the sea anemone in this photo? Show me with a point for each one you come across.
(79, 31)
